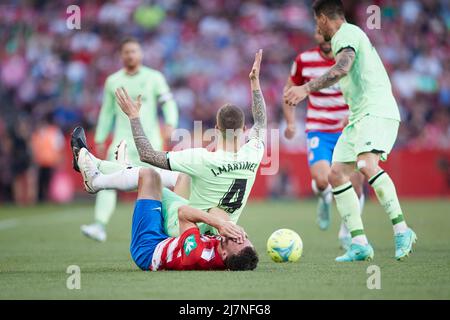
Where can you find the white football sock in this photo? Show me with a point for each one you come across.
(361, 239)
(127, 179)
(123, 180)
(400, 227)
(362, 202)
(326, 194)
(343, 232)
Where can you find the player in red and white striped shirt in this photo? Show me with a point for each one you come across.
(152, 249)
(326, 116)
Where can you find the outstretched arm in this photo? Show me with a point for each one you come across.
(146, 152)
(258, 104)
(344, 62)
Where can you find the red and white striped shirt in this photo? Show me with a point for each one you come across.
(326, 108)
(189, 251)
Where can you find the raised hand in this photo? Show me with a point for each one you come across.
(129, 107)
(254, 74)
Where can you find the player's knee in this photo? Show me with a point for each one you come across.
(149, 177)
(321, 181)
(336, 177)
(367, 168)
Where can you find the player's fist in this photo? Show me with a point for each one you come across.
(254, 74)
(129, 107)
(290, 131)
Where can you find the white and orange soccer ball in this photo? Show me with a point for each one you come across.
(285, 245)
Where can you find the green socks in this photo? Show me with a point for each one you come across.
(387, 196)
(105, 204)
(347, 203)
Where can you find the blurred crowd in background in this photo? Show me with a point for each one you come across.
(52, 77)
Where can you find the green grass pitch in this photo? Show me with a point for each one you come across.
(38, 244)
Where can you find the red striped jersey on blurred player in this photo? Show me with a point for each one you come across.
(326, 108)
(189, 251)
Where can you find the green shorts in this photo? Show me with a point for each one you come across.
(368, 134)
(170, 204)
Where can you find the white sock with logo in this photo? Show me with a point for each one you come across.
(123, 180)
(127, 179)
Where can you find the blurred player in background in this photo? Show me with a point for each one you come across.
(370, 134)
(327, 114)
(137, 79)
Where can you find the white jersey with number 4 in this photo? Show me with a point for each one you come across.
(220, 179)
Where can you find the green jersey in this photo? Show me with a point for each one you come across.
(153, 87)
(220, 179)
(366, 88)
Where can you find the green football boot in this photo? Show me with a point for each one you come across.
(357, 252)
(404, 244)
(345, 242)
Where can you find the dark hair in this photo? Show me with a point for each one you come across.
(127, 40)
(230, 117)
(330, 8)
(246, 259)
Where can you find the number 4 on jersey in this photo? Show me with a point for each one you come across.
(232, 200)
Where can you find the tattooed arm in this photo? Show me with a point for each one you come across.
(344, 62)
(258, 104)
(146, 152)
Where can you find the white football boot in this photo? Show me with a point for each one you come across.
(121, 153)
(88, 170)
(94, 231)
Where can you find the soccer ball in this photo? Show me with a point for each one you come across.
(284, 245)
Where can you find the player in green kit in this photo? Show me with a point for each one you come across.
(371, 132)
(221, 179)
(137, 79)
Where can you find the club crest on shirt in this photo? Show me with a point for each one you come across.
(189, 244)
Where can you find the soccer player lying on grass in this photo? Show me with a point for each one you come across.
(221, 179)
(152, 249)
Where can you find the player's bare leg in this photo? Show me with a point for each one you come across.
(387, 196)
(319, 174)
(348, 206)
(183, 186)
(149, 185)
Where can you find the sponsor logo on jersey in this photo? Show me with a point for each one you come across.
(189, 244)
